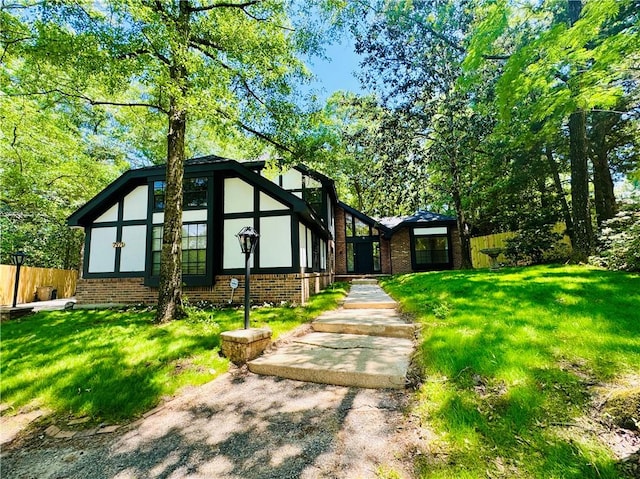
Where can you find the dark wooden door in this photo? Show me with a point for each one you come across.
(363, 257)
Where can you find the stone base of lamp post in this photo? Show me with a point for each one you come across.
(242, 345)
(7, 313)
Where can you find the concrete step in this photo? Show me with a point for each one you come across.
(372, 322)
(368, 296)
(364, 281)
(342, 359)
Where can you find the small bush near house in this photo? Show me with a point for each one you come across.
(619, 241)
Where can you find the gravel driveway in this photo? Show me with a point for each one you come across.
(239, 426)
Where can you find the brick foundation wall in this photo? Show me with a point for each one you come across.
(401, 252)
(341, 244)
(385, 255)
(272, 288)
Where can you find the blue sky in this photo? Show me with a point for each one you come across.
(336, 73)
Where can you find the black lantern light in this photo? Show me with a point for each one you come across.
(17, 258)
(248, 239)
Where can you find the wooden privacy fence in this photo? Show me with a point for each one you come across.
(499, 240)
(63, 281)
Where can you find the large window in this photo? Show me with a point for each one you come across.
(313, 196)
(376, 256)
(348, 221)
(351, 261)
(431, 248)
(194, 249)
(194, 193)
(363, 246)
(158, 195)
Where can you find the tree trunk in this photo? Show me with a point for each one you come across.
(605, 200)
(583, 231)
(566, 212)
(170, 287)
(582, 234)
(463, 227)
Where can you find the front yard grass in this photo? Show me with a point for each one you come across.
(114, 365)
(513, 361)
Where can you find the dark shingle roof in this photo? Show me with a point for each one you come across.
(419, 217)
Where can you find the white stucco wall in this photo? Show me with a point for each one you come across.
(302, 235)
(110, 215)
(192, 216)
(135, 204)
(102, 254)
(323, 254)
(309, 248)
(189, 216)
(275, 242)
(269, 204)
(330, 220)
(231, 254)
(292, 180)
(132, 254)
(238, 196)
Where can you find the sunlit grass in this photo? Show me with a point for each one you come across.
(508, 355)
(114, 365)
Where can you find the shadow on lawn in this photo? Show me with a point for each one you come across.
(510, 355)
(105, 364)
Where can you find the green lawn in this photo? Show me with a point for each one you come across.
(115, 365)
(511, 360)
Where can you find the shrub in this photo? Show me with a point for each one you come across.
(619, 240)
(535, 243)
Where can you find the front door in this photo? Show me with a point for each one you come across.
(363, 260)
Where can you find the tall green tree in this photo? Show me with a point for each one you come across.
(53, 158)
(229, 64)
(574, 57)
(413, 53)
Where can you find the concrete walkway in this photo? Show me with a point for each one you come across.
(364, 344)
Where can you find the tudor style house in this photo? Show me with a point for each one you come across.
(307, 237)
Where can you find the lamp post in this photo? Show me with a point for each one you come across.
(248, 238)
(17, 258)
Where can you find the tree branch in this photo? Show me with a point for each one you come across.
(259, 134)
(8, 43)
(205, 43)
(241, 6)
(156, 52)
(258, 19)
(89, 100)
(264, 137)
(461, 49)
(235, 72)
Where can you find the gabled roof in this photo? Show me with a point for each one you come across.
(326, 182)
(364, 218)
(256, 166)
(132, 178)
(420, 217)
